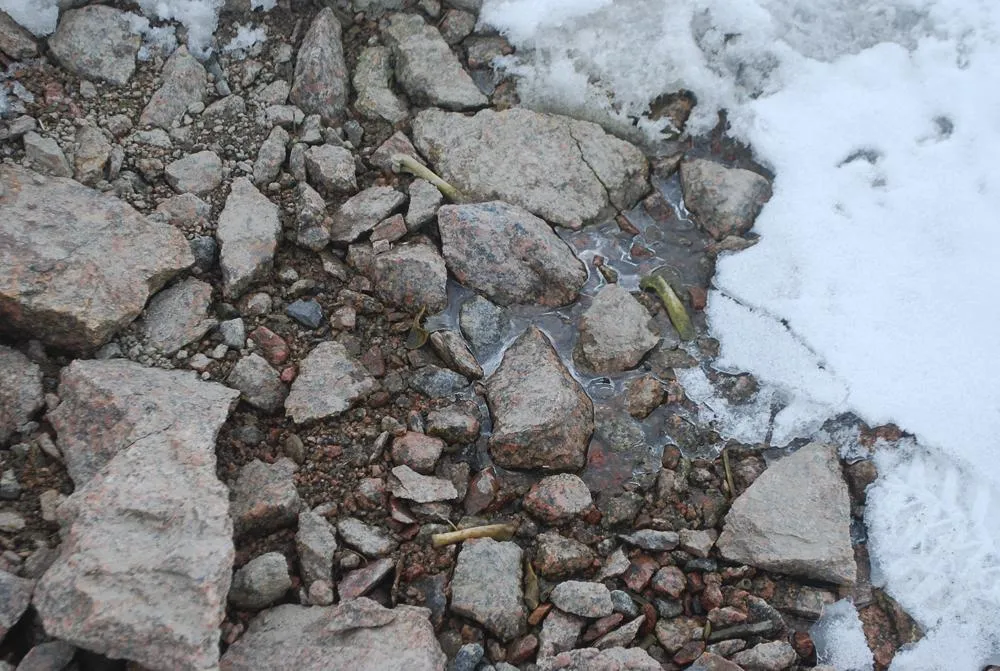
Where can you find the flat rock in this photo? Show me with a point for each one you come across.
(358, 635)
(673, 634)
(652, 539)
(592, 659)
(508, 254)
(330, 381)
(437, 382)
(372, 76)
(486, 586)
(77, 265)
(16, 41)
(616, 331)
(46, 156)
(411, 276)
(543, 418)
(15, 596)
(320, 85)
(560, 632)
(331, 170)
(586, 599)
(265, 498)
(368, 540)
(769, 656)
(456, 353)
(795, 518)
(417, 450)
(178, 315)
(248, 231)
(426, 67)
(183, 85)
(196, 173)
(258, 383)
(21, 394)
(559, 557)
(261, 582)
(453, 424)
(565, 171)
(425, 200)
(407, 484)
(484, 324)
(315, 543)
(96, 42)
(360, 581)
(147, 552)
(724, 201)
(271, 156)
(361, 213)
(48, 656)
(558, 498)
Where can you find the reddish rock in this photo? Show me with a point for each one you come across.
(289, 374)
(360, 581)
(690, 652)
(482, 491)
(522, 650)
(539, 614)
(640, 572)
(558, 556)
(558, 498)
(725, 617)
(601, 627)
(803, 645)
(418, 451)
(273, 347)
(670, 581)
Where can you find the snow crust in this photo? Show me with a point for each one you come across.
(840, 639)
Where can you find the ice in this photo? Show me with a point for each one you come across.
(840, 639)
(247, 36)
(156, 40)
(200, 17)
(40, 17)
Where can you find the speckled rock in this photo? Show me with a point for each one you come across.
(560, 632)
(96, 42)
(370, 541)
(178, 315)
(21, 394)
(329, 382)
(92, 153)
(183, 85)
(559, 557)
(15, 596)
(261, 582)
(724, 201)
(321, 84)
(361, 213)
(361, 581)
(315, 543)
(196, 173)
(425, 199)
(408, 484)
(486, 586)
(652, 539)
(258, 383)
(376, 99)
(616, 331)
(417, 450)
(558, 498)
(768, 656)
(248, 231)
(331, 170)
(410, 276)
(592, 659)
(265, 498)
(586, 599)
(46, 156)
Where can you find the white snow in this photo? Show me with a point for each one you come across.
(247, 36)
(873, 288)
(840, 639)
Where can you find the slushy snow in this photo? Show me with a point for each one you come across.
(873, 287)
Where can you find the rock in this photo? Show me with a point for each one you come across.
(408, 484)
(46, 156)
(308, 313)
(486, 587)
(258, 383)
(560, 632)
(711, 662)
(558, 498)
(11, 522)
(643, 395)
(697, 543)
(425, 199)
(724, 201)
(558, 556)
(455, 352)
(508, 254)
(48, 656)
(185, 210)
(272, 346)
(614, 566)
(795, 518)
(418, 451)
(225, 108)
(411, 276)
(390, 230)
(261, 583)
(565, 171)
(770, 656)
(621, 601)
(147, 552)
(437, 382)
(233, 333)
(15, 41)
(178, 315)
(320, 84)
(96, 42)
(183, 85)
(426, 67)
(21, 394)
(196, 173)
(248, 232)
(457, 25)
(329, 382)
(358, 635)
(10, 488)
(397, 143)
(15, 596)
(369, 541)
(270, 157)
(331, 170)
(312, 222)
(315, 543)
(361, 213)
(481, 492)
(616, 331)
(467, 658)
(92, 153)
(265, 498)
(669, 581)
(674, 634)
(372, 76)
(651, 539)
(453, 424)
(484, 324)
(361, 581)
(622, 636)
(586, 599)
(543, 418)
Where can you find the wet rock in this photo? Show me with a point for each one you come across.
(565, 171)
(330, 381)
(261, 583)
(651, 539)
(15, 596)
(455, 352)
(270, 157)
(258, 383)
(15, 41)
(312, 222)
(453, 424)
(411, 276)
(331, 170)
(437, 382)
(543, 418)
(418, 451)
(370, 541)
(46, 156)
(426, 67)
(558, 498)
(644, 395)
(412, 486)
(586, 599)
(320, 85)
(359, 635)
(673, 634)
(616, 331)
(50, 656)
(361, 581)
(486, 587)
(21, 394)
(560, 632)
(248, 231)
(425, 199)
(265, 498)
(197, 173)
(508, 254)
(484, 324)
(372, 75)
(770, 656)
(619, 659)
(306, 312)
(559, 557)
(96, 42)
(361, 213)
(725, 201)
(315, 543)
(183, 85)
(92, 153)
(178, 315)
(810, 538)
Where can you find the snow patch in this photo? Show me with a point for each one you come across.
(247, 36)
(840, 638)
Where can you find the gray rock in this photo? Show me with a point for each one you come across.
(457, 25)
(426, 67)
(234, 333)
(178, 315)
(11, 522)
(369, 541)
(375, 99)
(46, 156)
(619, 659)
(312, 222)
(316, 543)
(508, 254)
(261, 582)
(453, 424)
(205, 250)
(359, 635)
(184, 80)
(376, 7)
(155, 137)
(79, 265)
(407, 484)
(15, 41)
(320, 84)
(21, 394)
(275, 93)
(92, 153)
(698, 542)
(486, 587)
(258, 383)
(769, 656)
(725, 201)
(454, 351)
(147, 551)
(437, 382)
(565, 171)
(270, 156)
(558, 556)
(417, 450)
(306, 312)
(15, 596)
(425, 199)
(795, 518)
(467, 658)
(10, 488)
(48, 657)
(329, 382)
(265, 498)
(411, 275)
(96, 42)
(674, 633)
(651, 539)
(248, 231)
(397, 143)
(586, 599)
(331, 170)
(197, 173)
(560, 632)
(622, 602)
(361, 581)
(484, 324)
(361, 213)
(558, 498)
(616, 331)
(543, 418)
(227, 107)
(622, 636)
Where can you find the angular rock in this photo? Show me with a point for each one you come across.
(586, 599)
(698, 542)
(455, 352)
(712, 662)
(418, 451)
(330, 381)
(622, 636)
(397, 143)
(425, 199)
(795, 518)
(361, 213)
(725, 201)
(92, 153)
(258, 383)
(411, 276)
(484, 324)
(543, 418)
(358, 635)
(265, 498)
(426, 67)
(651, 539)
(331, 170)
(592, 659)
(178, 315)
(48, 656)
(558, 498)
(453, 424)
(307, 312)
(410, 485)
(15, 41)
(15, 596)
(361, 581)
(371, 80)
(560, 632)
(509, 254)
(197, 173)
(369, 541)
(312, 222)
(674, 634)
(457, 25)
(96, 42)
(770, 656)
(565, 171)
(21, 394)
(270, 156)
(669, 581)
(320, 85)
(261, 582)
(486, 587)
(616, 331)
(248, 231)
(315, 543)
(46, 156)
(184, 80)
(558, 556)
(437, 382)
(185, 210)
